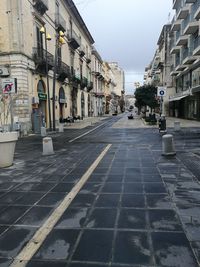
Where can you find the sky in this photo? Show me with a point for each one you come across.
(126, 31)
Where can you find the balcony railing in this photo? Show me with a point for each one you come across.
(84, 82)
(197, 42)
(90, 86)
(190, 25)
(183, 12)
(41, 6)
(82, 51)
(196, 8)
(63, 71)
(74, 40)
(39, 57)
(190, 1)
(185, 22)
(178, 33)
(186, 53)
(60, 22)
(177, 61)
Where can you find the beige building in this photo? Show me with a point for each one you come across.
(119, 78)
(98, 97)
(27, 56)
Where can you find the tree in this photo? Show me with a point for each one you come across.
(146, 96)
(122, 104)
(114, 102)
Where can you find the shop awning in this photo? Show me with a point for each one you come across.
(177, 98)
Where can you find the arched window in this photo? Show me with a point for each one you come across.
(62, 98)
(41, 87)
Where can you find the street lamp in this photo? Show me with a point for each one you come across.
(47, 38)
(59, 42)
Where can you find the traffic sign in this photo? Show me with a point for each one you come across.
(9, 86)
(161, 91)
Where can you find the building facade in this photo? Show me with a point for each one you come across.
(179, 66)
(53, 77)
(185, 48)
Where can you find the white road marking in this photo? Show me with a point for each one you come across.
(36, 241)
(72, 140)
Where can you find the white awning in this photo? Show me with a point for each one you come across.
(177, 98)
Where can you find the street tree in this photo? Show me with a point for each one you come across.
(114, 102)
(146, 96)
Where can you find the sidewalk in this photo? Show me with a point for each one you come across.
(183, 122)
(84, 123)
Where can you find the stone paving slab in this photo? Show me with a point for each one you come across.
(138, 208)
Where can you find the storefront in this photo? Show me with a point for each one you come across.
(39, 108)
(62, 104)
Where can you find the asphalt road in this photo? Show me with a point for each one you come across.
(107, 197)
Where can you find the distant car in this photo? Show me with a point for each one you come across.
(130, 116)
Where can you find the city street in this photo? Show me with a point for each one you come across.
(107, 197)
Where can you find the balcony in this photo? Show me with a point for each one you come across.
(82, 51)
(89, 86)
(41, 6)
(182, 40)
(74, 40)
(63, 71)
(197, 13)
(101, 78)
(99, 94)
(183, 12)
(174, 73)
(88, 60)
(178, 64)
(60, 23)
(196, 50)
(176, 3)
(188, 57)
(191, 27)
(175, 50)
(176, 25)
(84, 82)
(180, 67)
(39, 57)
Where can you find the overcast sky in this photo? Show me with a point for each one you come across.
(126, 31)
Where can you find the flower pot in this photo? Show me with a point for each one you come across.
(7, 148)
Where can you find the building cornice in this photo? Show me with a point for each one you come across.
(71, 6)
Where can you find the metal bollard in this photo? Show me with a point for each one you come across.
(168, 145)
(47, 146)
(177, 126)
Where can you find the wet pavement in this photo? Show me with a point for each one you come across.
(137, 208)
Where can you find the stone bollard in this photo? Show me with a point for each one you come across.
(177, 126)
(43, 131)
(60, 128)
(47, 146)
(168, 145)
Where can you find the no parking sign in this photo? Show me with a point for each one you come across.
(9, 86)
(161, 91)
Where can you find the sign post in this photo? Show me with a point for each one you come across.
(161, 91)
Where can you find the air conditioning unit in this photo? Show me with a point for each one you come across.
(35, 100)
(4, 72)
